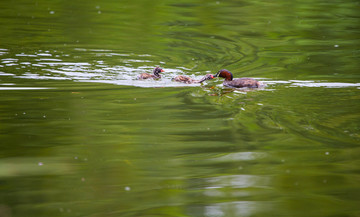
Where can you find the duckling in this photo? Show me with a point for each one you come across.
(156, 74)
(188, 80)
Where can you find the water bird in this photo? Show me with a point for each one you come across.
(237, 82)
(188, 80)
(155, 75)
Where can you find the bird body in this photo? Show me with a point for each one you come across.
(237, 82)
(188, 80)
(155, 75)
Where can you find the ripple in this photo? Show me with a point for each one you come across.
(3, 51)
(65, 64)
(43, 59)
(97, 65)
(44, 54)
(236, 208)
(325, 84)
(237, 181)
(25, 55)
(310, 83)
(99, 70)
(17, 167)
(240, 156)
(41, 77)
(24, 88)
(6, 74)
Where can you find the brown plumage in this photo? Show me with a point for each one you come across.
(156, 74)
(238, 82)
(188, 80)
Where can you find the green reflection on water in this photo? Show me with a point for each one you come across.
(94, 149)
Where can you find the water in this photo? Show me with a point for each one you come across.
(81, 136)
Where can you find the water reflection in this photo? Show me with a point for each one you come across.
(17, 167)
(240, 156)
(240, 208)
(237, 181)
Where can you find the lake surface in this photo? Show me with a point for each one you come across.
(81, 136)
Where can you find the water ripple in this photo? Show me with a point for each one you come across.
(98, 65)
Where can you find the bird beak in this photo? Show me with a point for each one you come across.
(162, 70)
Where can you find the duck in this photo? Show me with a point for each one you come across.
(156, 74)
(237, 82)
(188, 80)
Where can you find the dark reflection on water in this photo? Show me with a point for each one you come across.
(81, 136)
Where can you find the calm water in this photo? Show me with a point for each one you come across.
(81, 136)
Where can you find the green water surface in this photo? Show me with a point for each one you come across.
(81, 136)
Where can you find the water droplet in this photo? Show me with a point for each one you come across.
(336, 45)
(52, 12)
(327, 153)
(127, 188)
(40, 164)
